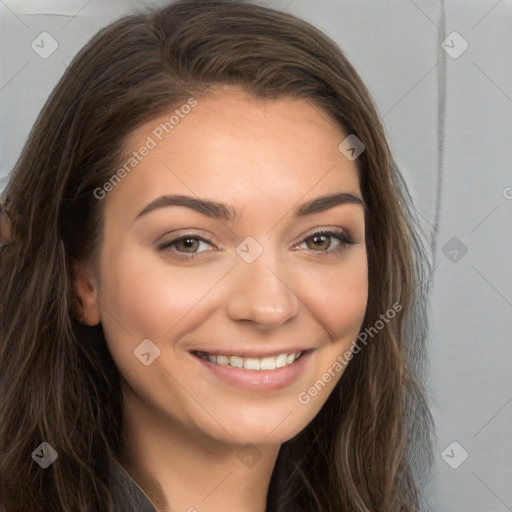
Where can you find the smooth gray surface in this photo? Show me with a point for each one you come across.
(449, 122)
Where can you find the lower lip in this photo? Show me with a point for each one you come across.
(258, 380)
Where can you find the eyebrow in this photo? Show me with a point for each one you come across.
(222, 211)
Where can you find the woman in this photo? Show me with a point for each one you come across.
(213, 292)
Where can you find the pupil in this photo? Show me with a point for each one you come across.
(320, 240)
(188, 243)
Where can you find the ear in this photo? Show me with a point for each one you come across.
(85, 292)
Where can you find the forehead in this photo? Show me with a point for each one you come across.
(232, 145)
(230, 108)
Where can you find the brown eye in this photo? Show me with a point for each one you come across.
(319, 242)
(328, 242)
(187, 245)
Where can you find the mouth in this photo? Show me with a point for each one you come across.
(271, 372)
(252, 363)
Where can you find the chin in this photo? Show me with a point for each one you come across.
(258, 423)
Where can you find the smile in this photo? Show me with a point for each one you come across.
(251, 363)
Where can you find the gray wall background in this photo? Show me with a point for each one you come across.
(448, 113)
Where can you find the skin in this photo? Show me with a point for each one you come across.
(183, 426)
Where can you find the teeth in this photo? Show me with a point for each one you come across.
(268, 363)
(252, 363)
(236, 362)
(222, 360)
(281, 361)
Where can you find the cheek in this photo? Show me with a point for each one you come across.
(147, 297)
(338, 296)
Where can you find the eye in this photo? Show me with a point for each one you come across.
(190, 246)
(328, 241)
(186, 246)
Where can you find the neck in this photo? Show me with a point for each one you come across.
(182, 470)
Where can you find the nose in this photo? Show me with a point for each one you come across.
(261, 295)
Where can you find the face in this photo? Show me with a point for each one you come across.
(232, 273)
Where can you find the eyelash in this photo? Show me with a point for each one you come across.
(342, 236)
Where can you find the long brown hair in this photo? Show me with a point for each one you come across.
(369, 448)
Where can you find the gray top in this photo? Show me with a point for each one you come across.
(127, 495)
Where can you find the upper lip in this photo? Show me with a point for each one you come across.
(251, 353)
